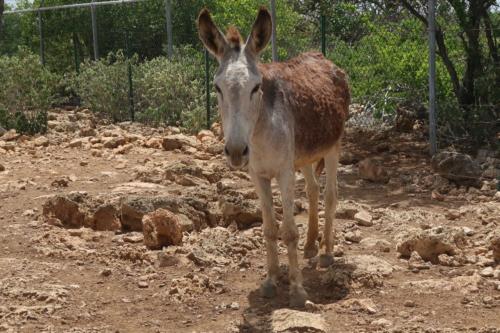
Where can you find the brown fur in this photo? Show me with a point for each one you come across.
(317, 93)
(233, 38)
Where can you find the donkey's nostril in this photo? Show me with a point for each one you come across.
(226, 151)
(245, 151)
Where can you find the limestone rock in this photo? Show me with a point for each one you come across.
(495, 245)
(65, 209)
(133, 208)
(458, 167)
(41, 141)
(430, 243)
(376, 243)
(161, 228)
(88, 131)
(365, 270)
(106, 218)
(177, 141)
(114, 142)
(10, 135)
(242, 211)
(353, 236)
(76, 143)
(363, 218)
(292, 321)
(372, 170)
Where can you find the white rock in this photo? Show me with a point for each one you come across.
(286, 320)
(363, 218)
(487, 272)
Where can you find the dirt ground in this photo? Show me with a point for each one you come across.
(56, 277)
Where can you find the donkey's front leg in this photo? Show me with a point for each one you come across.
(290, 235)
(270, 228)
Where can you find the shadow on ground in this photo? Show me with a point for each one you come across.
(318, 284)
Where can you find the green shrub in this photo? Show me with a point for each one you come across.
(103, 86)
(386, 68)
(169, 92)
(172, 91)
(26, 94)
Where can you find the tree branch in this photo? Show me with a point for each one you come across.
(490, 38)
(414, 11)
(442, 51)
(2, 8)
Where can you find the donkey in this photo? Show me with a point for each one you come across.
(278, 118)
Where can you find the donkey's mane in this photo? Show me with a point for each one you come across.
(234, 38)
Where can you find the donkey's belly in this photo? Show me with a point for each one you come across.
(302, 160)
(316, 136)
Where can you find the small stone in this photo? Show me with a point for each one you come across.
(106, 272)
(133, 237)
(353, 236)
(363, 305)
(310, 306)
(415, 262)
(2, 168)
(382, 322)
(487, 272)
(143, 284)
(84, 132)
(234, 306)
(488, 300)
(372, 170)
(41, 142)
(167, 260)
(77, 143)
(435, 195)
(468, 231)
(410, 304)
(363, 218)
(452, 215)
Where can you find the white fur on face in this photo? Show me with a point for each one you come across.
(238, 106)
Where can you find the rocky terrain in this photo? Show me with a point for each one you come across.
(127, 228)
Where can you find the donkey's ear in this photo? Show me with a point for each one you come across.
(210, 35)
(261, 32)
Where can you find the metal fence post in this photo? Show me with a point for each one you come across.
(75, 54)
(40, 32)
(323, 35)
(168, 14)
(273, 37)
(129, 74)
(207, 86)
(432, 76)
(94, 30)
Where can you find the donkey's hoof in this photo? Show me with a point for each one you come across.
(298, 297)
(310, 251)
(325, 260)
(268, 289)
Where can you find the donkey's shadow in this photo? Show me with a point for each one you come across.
(323, 286)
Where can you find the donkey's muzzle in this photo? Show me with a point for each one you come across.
(237, 155)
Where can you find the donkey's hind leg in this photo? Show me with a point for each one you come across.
(312, 188)
(331, 200)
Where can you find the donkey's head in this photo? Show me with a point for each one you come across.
(237, 80)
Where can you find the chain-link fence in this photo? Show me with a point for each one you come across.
(141, 59)
(126, 35)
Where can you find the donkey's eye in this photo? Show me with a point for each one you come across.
(218, 89)
(255, 89)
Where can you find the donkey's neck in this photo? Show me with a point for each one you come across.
(273, 126)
